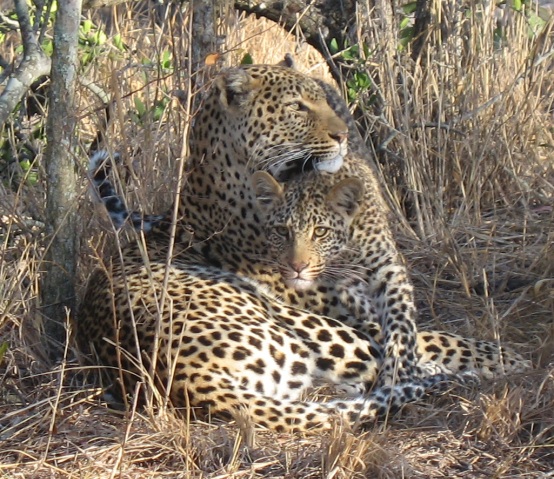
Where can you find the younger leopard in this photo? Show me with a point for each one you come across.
(309, 233)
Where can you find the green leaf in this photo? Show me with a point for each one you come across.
(48, 47)
(86, 26)
(247, 59)
(404, 23)
(362, 80)
(25, 165)
(32, 178)
(3, 350)
(333, 46)
(407, 34)
(354, 52)
(100, 38)
(536, 23)
(165, 60)
(409, 8)
(158, 112)
(86, 58)
(160, 109)
(139, 105)
(118, 43)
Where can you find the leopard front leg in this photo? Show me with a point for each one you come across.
(388, 302)
(395, 305)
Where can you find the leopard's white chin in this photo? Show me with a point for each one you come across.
(299, 284)
(330, 166)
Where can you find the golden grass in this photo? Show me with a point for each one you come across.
(464, 143)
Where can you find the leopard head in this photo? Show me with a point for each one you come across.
(269, 118)
(308, 230)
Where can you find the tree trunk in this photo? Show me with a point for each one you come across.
(58, 282)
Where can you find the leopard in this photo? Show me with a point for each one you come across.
(308, 228)
(196, 292)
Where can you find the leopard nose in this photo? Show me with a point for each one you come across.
(339, 137)
(298, 266)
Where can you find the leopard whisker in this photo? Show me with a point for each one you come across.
(337, 263)
(278, 154)
(344, 273)
(277, 162)
(358, 267)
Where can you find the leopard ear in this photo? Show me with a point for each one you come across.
(288, 62)
(267, 190)
(346, 196)
(235, 86)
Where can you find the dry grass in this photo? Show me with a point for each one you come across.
(465, 145)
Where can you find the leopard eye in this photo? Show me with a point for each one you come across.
(281, 230)
(298, 106)
(321, 232)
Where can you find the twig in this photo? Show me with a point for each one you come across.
(43, 12)
(34, 65)
(441, 126)
(101, 3)
(27, 35)
(6, 23)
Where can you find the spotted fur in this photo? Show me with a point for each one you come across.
(225, 347)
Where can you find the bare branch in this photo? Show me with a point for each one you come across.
(6, 23)
(101, 3)
(33, 65)
(319, 20)
(27, 34)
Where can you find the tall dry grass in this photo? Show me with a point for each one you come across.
(463, 143)
(465, 140)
